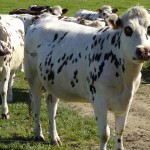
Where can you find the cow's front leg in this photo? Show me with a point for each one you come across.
(100, 110)
(120, 121)
(52, 103)
(4, 87)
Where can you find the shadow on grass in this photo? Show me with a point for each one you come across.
(19, 96)
(21, 140)
(146, 76)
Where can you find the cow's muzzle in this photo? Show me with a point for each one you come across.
(143, 53)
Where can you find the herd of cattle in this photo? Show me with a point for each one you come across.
(93, 57)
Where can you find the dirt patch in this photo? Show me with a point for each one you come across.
(137, 132)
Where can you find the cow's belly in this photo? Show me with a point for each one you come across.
(77, 94)
(69, 97)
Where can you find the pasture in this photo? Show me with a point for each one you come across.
(77, 132)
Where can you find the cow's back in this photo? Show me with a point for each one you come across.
(86, 14)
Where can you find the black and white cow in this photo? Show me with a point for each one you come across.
(56, 10)
(79, 63)
(35, 7)
(11, 56)
(102, 12)
(99, 23)
(27, 21)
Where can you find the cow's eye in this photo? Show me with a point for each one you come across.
(148, 30)
(128, 31)
(104, 14)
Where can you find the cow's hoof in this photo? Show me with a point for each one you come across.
(5, 116)
(57, 142)
(39, 139)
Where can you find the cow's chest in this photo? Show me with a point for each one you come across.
(114, 91)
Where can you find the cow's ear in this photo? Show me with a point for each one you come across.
(99, 10)
(50, 10)
(4, 50)
(118, 23)
(35, 18)
(114, 21)
(114, 10)
(65, 10)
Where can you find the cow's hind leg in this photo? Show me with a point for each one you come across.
(52, 103)
(36, 94)
(21, 67)
(10, 85)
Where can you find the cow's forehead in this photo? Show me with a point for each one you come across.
(137, 23)
(136, 14)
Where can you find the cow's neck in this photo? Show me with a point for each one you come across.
(132, 76)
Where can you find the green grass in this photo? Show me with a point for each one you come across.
(76, 132)
(72, 5)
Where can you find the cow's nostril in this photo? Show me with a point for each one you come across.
(138, 52)
(147, 51)
(143, 53)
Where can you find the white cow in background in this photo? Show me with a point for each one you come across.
(57, 12)
(99, 23)
(102, 12)
(11, 56)
(79, 63)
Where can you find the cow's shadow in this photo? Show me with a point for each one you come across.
(19, 96)
(22, 140)
(146, 76)
(16, 138)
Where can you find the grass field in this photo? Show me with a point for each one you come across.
(76, 132)
(72, 5)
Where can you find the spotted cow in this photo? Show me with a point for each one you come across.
(25, 15)
(84, 64)
(92, 23)
(56, 10)
(35, 7)
(11, 56)
(99, 23)
(27, 21)
(102, 12)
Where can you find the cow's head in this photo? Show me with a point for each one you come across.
(113, 21)
(106, 10)
(57, 10)
(135, 35)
